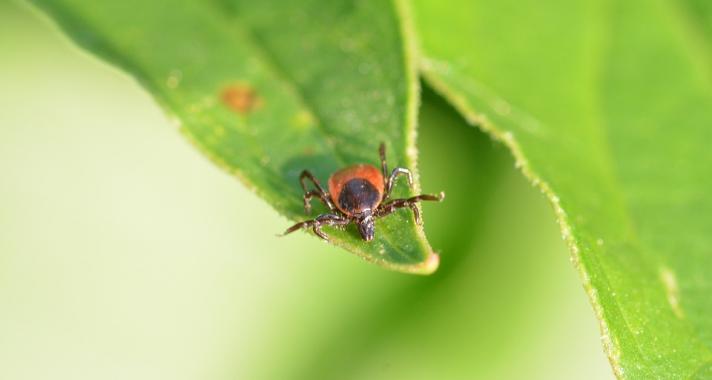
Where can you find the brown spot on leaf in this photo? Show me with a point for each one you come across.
(241, 98)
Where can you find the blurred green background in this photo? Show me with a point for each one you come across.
(126, 254)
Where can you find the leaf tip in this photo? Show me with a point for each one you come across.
(426, 267)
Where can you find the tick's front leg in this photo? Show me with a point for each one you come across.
(329, 220)
(309, 194)
(324, 198)
(316, 224)
(412, 202)
(392, 178)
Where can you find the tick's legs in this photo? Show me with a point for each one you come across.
(319, 192)
(392, 178)
(316, 223)
(389, 207)
(324, 198)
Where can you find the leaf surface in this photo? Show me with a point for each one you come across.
(267, 89)
(607, 107)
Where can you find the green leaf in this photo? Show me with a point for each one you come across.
(267, 89)
(607, 107)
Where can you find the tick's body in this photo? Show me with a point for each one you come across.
(356, 189)
(358, 194)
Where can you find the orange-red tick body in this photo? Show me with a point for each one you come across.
(356, 189)
(358, 194)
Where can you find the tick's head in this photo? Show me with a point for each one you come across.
(365, 226)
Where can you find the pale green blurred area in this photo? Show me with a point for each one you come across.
(126, 254)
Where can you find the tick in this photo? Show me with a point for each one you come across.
(358, 194)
